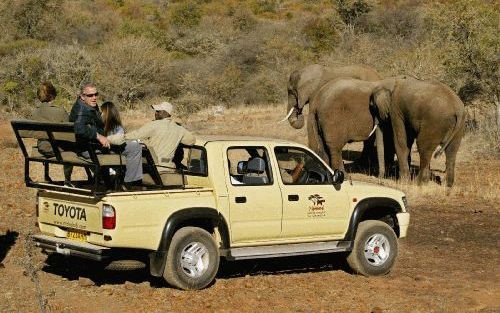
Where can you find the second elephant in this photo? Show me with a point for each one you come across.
(429, 112)
(304, 83)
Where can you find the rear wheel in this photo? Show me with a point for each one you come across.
(192, 259)
(375, 249)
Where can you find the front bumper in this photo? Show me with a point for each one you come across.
(72, 248)
(403, 222)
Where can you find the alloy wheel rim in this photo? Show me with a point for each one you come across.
(377, 249)
(194, 259)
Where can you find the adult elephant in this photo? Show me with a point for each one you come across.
(305, 83)
(346, 110)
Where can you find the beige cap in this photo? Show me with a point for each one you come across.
(164, 106)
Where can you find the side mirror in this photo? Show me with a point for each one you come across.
(242, 167)
(337, 177)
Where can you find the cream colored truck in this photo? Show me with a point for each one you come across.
(240, 198)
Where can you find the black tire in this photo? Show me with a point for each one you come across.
(375, 249)
(186, 243)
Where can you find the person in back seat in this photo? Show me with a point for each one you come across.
(163, 135)
(49, 112)
(113, 128)
(89, 126)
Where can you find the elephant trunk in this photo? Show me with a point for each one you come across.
(294, 116)
(379, 135)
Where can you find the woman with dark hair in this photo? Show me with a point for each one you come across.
(49, 112)
(111, 117)
(115, 133)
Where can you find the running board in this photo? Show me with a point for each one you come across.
(276, 251)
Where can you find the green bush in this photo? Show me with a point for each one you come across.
(321, 34)
(467, 32)
(351, 11)
(186, 14)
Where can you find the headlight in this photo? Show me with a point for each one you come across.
(405, 202)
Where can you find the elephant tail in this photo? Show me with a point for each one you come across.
(452, 132)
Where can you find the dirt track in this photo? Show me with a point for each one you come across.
(448, 263)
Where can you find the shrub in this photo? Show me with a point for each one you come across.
(321, 34)
(186, 14)
(404, 20)
(244, 20)
(131, 69)
(351, 11)
(468, 33)
(33, 18)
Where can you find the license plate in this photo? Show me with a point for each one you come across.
(75, 235)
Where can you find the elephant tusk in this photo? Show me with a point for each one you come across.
(373, 130)
(287, 116)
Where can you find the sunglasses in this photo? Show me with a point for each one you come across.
(90, 95)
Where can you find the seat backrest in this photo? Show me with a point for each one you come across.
(256, 165)
(256, 172)
(197, 166)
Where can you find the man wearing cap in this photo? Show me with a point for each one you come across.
(163, 134)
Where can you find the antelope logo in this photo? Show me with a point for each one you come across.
(317, 209)
(317, 200)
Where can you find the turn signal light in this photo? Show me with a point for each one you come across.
(108, 217)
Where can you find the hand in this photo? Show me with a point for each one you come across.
(103, 140)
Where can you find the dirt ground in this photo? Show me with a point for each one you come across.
(448, 262)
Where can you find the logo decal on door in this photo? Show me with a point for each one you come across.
(317, 209)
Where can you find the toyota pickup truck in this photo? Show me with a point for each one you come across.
(231, 197)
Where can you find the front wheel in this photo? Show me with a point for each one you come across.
(375, 249)
(192, 259)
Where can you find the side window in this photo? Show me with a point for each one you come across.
(249, 166)
(191, 159)
(300, 167)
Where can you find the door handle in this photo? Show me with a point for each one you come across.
(293, 197)
(240, 199)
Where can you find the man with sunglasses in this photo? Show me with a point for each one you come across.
(89, 126)
(86, 116)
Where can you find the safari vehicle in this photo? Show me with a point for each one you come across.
(238, 198)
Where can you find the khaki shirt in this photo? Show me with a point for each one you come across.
(50, 113)
(163, 136)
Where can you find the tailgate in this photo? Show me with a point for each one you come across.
(69, 211)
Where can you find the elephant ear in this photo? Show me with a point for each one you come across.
(381, 98)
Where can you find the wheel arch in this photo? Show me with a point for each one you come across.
(376, 208)
(203, 217)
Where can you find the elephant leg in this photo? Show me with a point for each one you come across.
(316, 142)
(401, 147)
(336, 159)
(451, 155)
(368, 155)
(425, 166)
(426, 144)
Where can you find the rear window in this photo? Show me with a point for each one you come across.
(192, 160)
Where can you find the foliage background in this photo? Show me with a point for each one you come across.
(201, 53)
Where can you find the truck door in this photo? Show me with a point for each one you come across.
(254, 198)
(311, 204)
